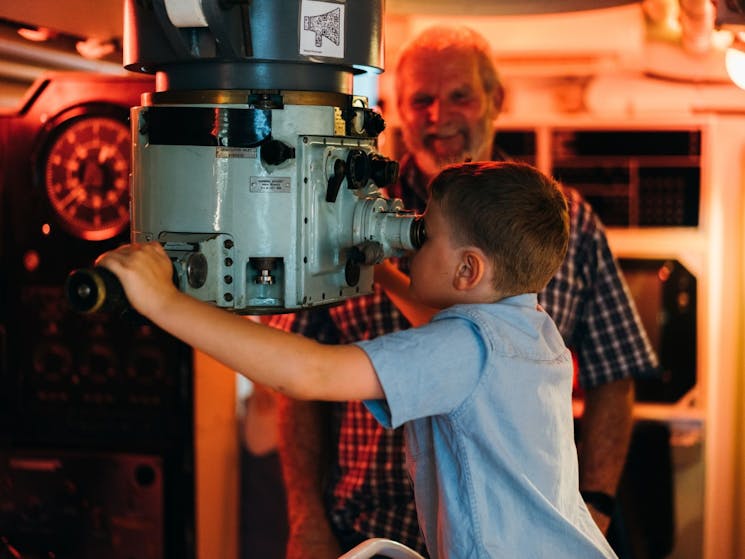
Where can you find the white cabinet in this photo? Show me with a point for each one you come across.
(671, 191)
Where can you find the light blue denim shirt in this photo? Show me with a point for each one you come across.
(484, 392)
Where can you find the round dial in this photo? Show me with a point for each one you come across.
(86, 173)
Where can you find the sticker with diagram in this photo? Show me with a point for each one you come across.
(322, 29)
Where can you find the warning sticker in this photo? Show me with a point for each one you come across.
(322, 29)
(269, 184)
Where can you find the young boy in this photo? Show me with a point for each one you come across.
(484, 388)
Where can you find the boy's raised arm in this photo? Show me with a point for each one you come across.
(291, 364)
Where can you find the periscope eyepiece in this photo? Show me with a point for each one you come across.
(418, 233)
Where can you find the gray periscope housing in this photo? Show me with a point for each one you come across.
(255, 44)
(253, 162)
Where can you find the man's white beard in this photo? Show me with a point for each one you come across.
(430, 164)
(462, 157)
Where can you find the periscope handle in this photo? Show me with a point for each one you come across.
(96, 289)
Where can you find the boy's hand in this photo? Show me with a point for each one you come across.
(145, 272)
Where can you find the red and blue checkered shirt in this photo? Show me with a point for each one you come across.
(369, 493)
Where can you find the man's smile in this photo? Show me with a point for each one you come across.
(445, 145)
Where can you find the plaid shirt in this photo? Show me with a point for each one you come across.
(369, 492)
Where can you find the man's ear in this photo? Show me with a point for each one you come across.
(471, 269)
(497, 99)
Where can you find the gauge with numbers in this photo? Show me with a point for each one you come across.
(86, 175)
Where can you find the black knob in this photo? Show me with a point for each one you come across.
(374, 123)
(352, 268)
(358, 169)
(275, 152)
(96, 289)
(332, 190)
(384, 171)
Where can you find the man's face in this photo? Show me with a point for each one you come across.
(446, 115)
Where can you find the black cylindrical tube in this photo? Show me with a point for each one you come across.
(418, 232)
(90, 290)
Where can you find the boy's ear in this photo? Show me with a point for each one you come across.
(471, 269)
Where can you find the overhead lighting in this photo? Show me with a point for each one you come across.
(730, 16)
(95, 49)
(734, 60)
(38, 35)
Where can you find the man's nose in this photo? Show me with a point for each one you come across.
(435, 110)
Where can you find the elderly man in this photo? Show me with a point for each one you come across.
(344, 474)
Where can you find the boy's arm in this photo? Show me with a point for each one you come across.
(396, 285)
(291, 364)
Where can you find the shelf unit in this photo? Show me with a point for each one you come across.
(673, 189)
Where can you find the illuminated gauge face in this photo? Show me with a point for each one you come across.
(87, 177)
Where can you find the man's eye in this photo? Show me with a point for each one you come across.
(421, 102)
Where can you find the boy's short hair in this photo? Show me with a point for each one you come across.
(517, 215)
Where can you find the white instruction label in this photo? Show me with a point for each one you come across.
(322, 29)
(269, 184)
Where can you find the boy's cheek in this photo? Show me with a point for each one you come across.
(415, 280)
(414, 265)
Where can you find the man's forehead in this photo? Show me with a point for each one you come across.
(423, 72)
(423, 58)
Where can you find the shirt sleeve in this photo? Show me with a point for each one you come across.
(425, 371)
